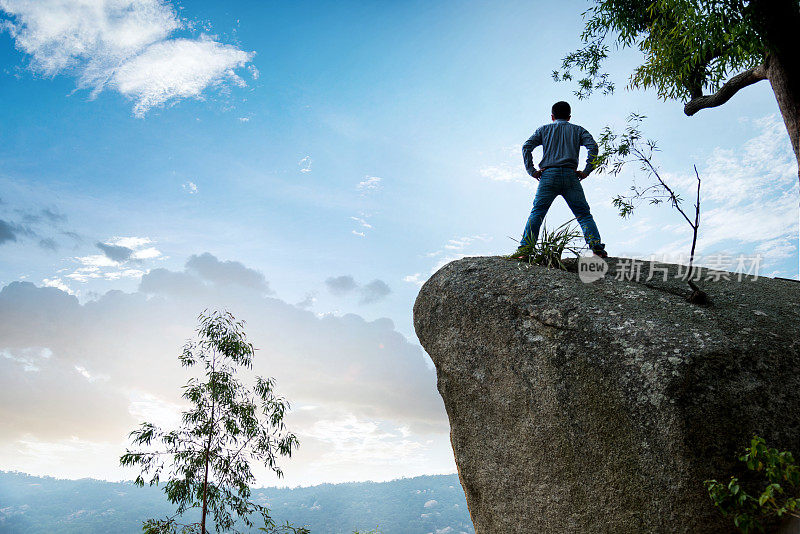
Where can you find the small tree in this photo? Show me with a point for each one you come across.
(618, 150)
(206, 462)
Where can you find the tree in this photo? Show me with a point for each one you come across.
(618, 150)
(207, 460)
(699, 51)
(775, 492)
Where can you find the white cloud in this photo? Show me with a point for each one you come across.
(454, 249)
(131, 242)
(366, 441)
(115, 262)
(509, 169)
(777, 249)
(146, 254)
(84, 274)
(361, 222)
(92, 36)
(190, 187)
(57, 283)
(125, 45)
(461, 243)
(369, 183)
(175, 69)
(28, 357)
(96, 260)
(124, 273)
(749, 196)
(415, 278)
(458, 244)
(146, 406)
(305, 164)
(506, 172)
(91, 377)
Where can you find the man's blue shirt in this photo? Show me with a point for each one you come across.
(561, 141)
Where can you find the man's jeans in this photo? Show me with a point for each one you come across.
(561, 181)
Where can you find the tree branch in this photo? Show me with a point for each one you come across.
(695, 227)
(731, 87)
(672, 196)
(699, 73)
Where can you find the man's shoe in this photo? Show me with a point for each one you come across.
(522, 253)
(600, 252)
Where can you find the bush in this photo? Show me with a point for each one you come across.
(550, 247)
(777, 474)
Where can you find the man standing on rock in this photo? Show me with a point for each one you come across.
(558, 175)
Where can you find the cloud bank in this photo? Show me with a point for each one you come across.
(76, 376)
(372, 292)
(124, 45)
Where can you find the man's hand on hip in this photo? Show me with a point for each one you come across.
(581, 174)
(537, 174)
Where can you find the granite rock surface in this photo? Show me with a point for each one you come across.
(602, 407)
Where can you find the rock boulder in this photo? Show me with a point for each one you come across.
(603, 407)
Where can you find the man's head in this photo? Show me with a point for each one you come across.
(561, 110)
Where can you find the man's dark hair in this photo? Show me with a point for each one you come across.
(561, 110)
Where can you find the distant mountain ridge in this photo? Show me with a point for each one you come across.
(432, 504)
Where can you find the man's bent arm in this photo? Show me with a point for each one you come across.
(527, 151)
(588, 141)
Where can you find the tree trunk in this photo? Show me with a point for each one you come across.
(205, 478)
(783, 73)
(779, 22)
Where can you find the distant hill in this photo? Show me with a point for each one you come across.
(421, 505)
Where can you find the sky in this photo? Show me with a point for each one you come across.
(306, 165)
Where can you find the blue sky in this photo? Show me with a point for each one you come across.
(323, 158)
